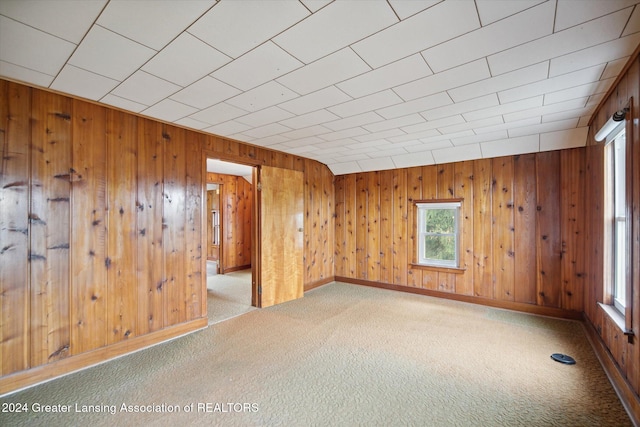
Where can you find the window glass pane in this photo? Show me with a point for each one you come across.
(619, 174)
(440, 221)
(620, 264)
(440, 247)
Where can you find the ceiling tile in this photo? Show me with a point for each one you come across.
(522, 27)
(83, 83)
(543, 127)
(153, 24)
(191, 123)
(510, 146)
(344, 168)
(614, 68)
(573, 12)
(410, 119)
(264, 96)
(494, 10)
(257, 66)
(553, 84)
(218, 113)
(414, 136)
(379, 164)
(32, 49)
(315, 101)
(406, 8)
(353, 121)
(345, 133)
(68, 19)
(396, 151)
(205, 93)
(432, 139)
(413, 159)
(307, 132)
(349, 22)
(315, 5)
(186, 49)
(367, 103)
(491, 136)
(496, 110)
(19, 73)
(430, 27)
(509, 125)
(633, 26)
(459, 76)
(457, 154)
(434, 124)
(228, 128)
(434, 145)
(569, 114)
(504, 81)
(109, 54)
(478, 124)
(539, 110)
(337, 67)
(266, 116)
(309, 119)
(564, 139)
(415, 106)
(266, 130)
(145, 88)
(583, 36)
(271, 141)
(125, 104)
(466, 107)
(599, 54)
(235, 27)
(394, 74)
(578, 91)
(168, 110)
(378, 135)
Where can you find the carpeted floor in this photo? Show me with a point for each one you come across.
(347, 355)
(228, 295)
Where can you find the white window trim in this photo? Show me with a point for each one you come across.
(428, 262)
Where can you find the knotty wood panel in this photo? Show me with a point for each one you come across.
(50, 232)
(503, 228)
(414, 193)
(386, 223)
(482, 230)
(89, 229)
(149, 242)
(430, 185)
(525, 226)
(340, 239)
(361, 198)
(14, 228)
(373, 226)
(122, 305)
(401, 208)
(446, 282)
(350, 220)
(548, 228)
(463, 176)
(195, 253)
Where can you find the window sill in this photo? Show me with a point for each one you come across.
(617, 318)
(451, 270)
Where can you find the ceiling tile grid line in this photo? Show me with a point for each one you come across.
(359, 86)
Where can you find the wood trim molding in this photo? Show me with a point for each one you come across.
(43, 373)
(318, 283)
(627, 396)
(509, 305)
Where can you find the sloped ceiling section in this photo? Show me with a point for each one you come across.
(357, 85)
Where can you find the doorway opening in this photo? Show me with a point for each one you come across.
(229, 241)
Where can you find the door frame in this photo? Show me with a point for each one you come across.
(255, 232)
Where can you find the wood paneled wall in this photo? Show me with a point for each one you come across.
(236, 199)
(522, 229)
(625, 352)
(101, 229)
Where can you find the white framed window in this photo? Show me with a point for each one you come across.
(438, 233)
(618, 227)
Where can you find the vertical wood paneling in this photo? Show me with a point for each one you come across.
(386, 224)
(14, 227)
(373, 226)
(361, 225)
(89, 229)
(446, 282)
(463, 176)
(401, 208)
(482, 236)
(149, 244)
(503, 228)
(350, 220)
(414, 193)
(50, 232)
(571, 210)
(525, 228)
(122, 305)
(229, 217)
(340, 257)
(429, 191)
(174, 219)
(194, 253)
(548, 227)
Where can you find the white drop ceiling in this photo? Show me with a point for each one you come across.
(358, 85)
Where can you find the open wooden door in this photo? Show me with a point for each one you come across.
(280, 202)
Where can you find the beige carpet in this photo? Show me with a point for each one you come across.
(349, 355)
(228, 295)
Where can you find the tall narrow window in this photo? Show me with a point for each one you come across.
(438, 233)
(619, 220)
